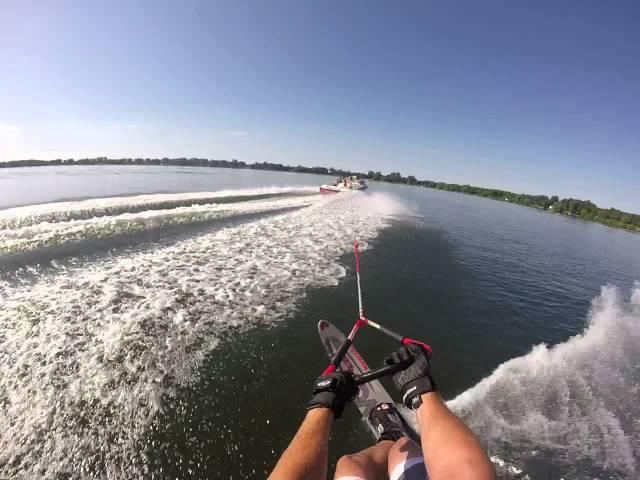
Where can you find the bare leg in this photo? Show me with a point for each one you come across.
(403, 455)
(369, 464)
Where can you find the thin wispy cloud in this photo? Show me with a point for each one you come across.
(237, 133)
(11, 141)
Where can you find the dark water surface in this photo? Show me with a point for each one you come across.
(259, 382)
(482, 281)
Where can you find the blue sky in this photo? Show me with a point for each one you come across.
(539, 97)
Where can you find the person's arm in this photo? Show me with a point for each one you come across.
(307, 455)
(451, 450)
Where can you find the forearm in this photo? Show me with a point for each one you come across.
(450, 449)
(307, 455)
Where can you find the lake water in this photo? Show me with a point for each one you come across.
(160, 322)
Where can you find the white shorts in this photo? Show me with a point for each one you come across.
(411, 469)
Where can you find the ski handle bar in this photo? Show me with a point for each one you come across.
(381, 372)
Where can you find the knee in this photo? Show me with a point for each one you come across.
(349, 465)
(404, 448)
(403, 452)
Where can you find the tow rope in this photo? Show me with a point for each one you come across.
(363, 320)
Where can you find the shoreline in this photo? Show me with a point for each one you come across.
(569, 207)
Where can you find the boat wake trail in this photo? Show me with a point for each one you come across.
(31, 228)
(576, 402)
(91, 353)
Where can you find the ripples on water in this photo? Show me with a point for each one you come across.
(91, 351)
(95, 346)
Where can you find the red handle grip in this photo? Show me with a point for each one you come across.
(407, 341)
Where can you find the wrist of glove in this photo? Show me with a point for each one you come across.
(416, 379)
(333, 391)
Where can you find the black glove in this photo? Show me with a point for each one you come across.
(416, 379)
(333, 391)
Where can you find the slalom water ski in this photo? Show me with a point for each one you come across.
(371, 393)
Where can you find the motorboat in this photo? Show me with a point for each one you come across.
(344, 184)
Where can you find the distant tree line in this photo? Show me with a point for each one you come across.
(583, 209)
(180, 162)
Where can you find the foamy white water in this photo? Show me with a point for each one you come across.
(577, 400)
(94, 222)
(90, 354)
(93, 352)
(17, 217)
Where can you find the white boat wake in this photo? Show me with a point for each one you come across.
(577, 401)
(16, 217)
(35, 227)
(90, 353)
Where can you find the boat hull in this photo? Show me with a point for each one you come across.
(335, 189)
(330, 189)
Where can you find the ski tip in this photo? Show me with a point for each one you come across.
(322, 325)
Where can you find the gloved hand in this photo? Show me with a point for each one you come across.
(416, 379)
(333, 391)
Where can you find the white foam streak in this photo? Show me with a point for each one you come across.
(46, 234)
(578, 398)
(98, 207)
(90, 355)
